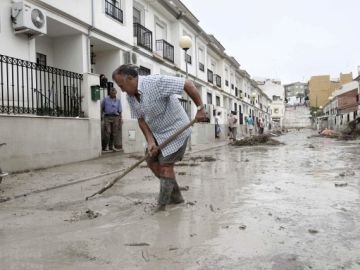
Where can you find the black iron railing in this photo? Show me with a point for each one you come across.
(166, 48)
(210, 76)
(143, 36)
(113, 11)
(217, 80)
(201, 67)
(30, 88)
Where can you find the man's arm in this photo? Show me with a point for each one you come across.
(152, 148)
(193, 93)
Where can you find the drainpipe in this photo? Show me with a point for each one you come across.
(88, 37)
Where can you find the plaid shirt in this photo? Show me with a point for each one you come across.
(161, 109)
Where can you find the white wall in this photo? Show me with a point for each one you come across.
(18, 46)
(122, 31)
(70, 53)
(44, 141)
(80, 9)
(44, 45)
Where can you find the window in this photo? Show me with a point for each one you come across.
(41, 59)
(217, 101)
(201, 59)
(160, 30)
(112, 8)
(137, 15)
(209, 98)
(143, 71)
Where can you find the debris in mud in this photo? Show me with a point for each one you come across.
(203, 159)
(313, 231)
(225, 227)
(281, 228)
(181, 173)
(193, 234)
(211, 208)
(136, 157)
(270, 214)
(186, 164)
(141, 244)
(257, 140)
(242, 227)
(4, 199)
(146, 258)
(311, 146)
(184, 188)
(91, 214)
(351, 173)
(87, 214)
(173, 248)
(340, 184)
(246, 160)
(191, 203)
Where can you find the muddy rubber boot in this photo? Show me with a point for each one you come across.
(166, 189)
(176, 196)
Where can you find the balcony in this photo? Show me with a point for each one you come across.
(218, 80)
(166, 49)
(210, 76)
(113, 11)
(201, 67)
(143, 36)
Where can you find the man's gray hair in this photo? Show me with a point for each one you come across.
(126, 70)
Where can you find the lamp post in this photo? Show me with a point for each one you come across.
(185, 43)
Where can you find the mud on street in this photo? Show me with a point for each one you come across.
(292, 206)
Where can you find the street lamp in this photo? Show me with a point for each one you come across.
(185, 43)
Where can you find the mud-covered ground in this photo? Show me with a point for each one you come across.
(293, 206)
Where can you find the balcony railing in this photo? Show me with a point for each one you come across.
(217, 80)
(201, 67)
(113, 11)
(166, 49)
(143, 36)
(210, 76)
(30, 88)
(188, 58)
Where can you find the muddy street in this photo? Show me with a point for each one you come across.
(292, 206)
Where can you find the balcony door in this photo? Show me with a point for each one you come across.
(137, 15)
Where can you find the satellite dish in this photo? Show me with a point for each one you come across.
(37, 18)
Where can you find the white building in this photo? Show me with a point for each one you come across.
(276, 92)
(50, 63)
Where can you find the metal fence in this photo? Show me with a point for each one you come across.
(29, 88)
(143, 36)
(113, 11)
(166, 48)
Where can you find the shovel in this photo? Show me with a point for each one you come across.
(170, 139)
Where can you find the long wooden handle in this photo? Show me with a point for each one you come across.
(161, 146)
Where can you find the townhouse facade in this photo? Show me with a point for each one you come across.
(342, 107)
(52, 53)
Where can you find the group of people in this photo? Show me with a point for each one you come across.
(254, 126)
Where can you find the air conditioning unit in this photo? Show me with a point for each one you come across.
(130, 57)
(28, 19)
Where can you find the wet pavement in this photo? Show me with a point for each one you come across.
(293, 206)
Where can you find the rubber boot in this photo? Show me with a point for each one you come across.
(176, 196)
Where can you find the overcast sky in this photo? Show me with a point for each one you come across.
(290, 40)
